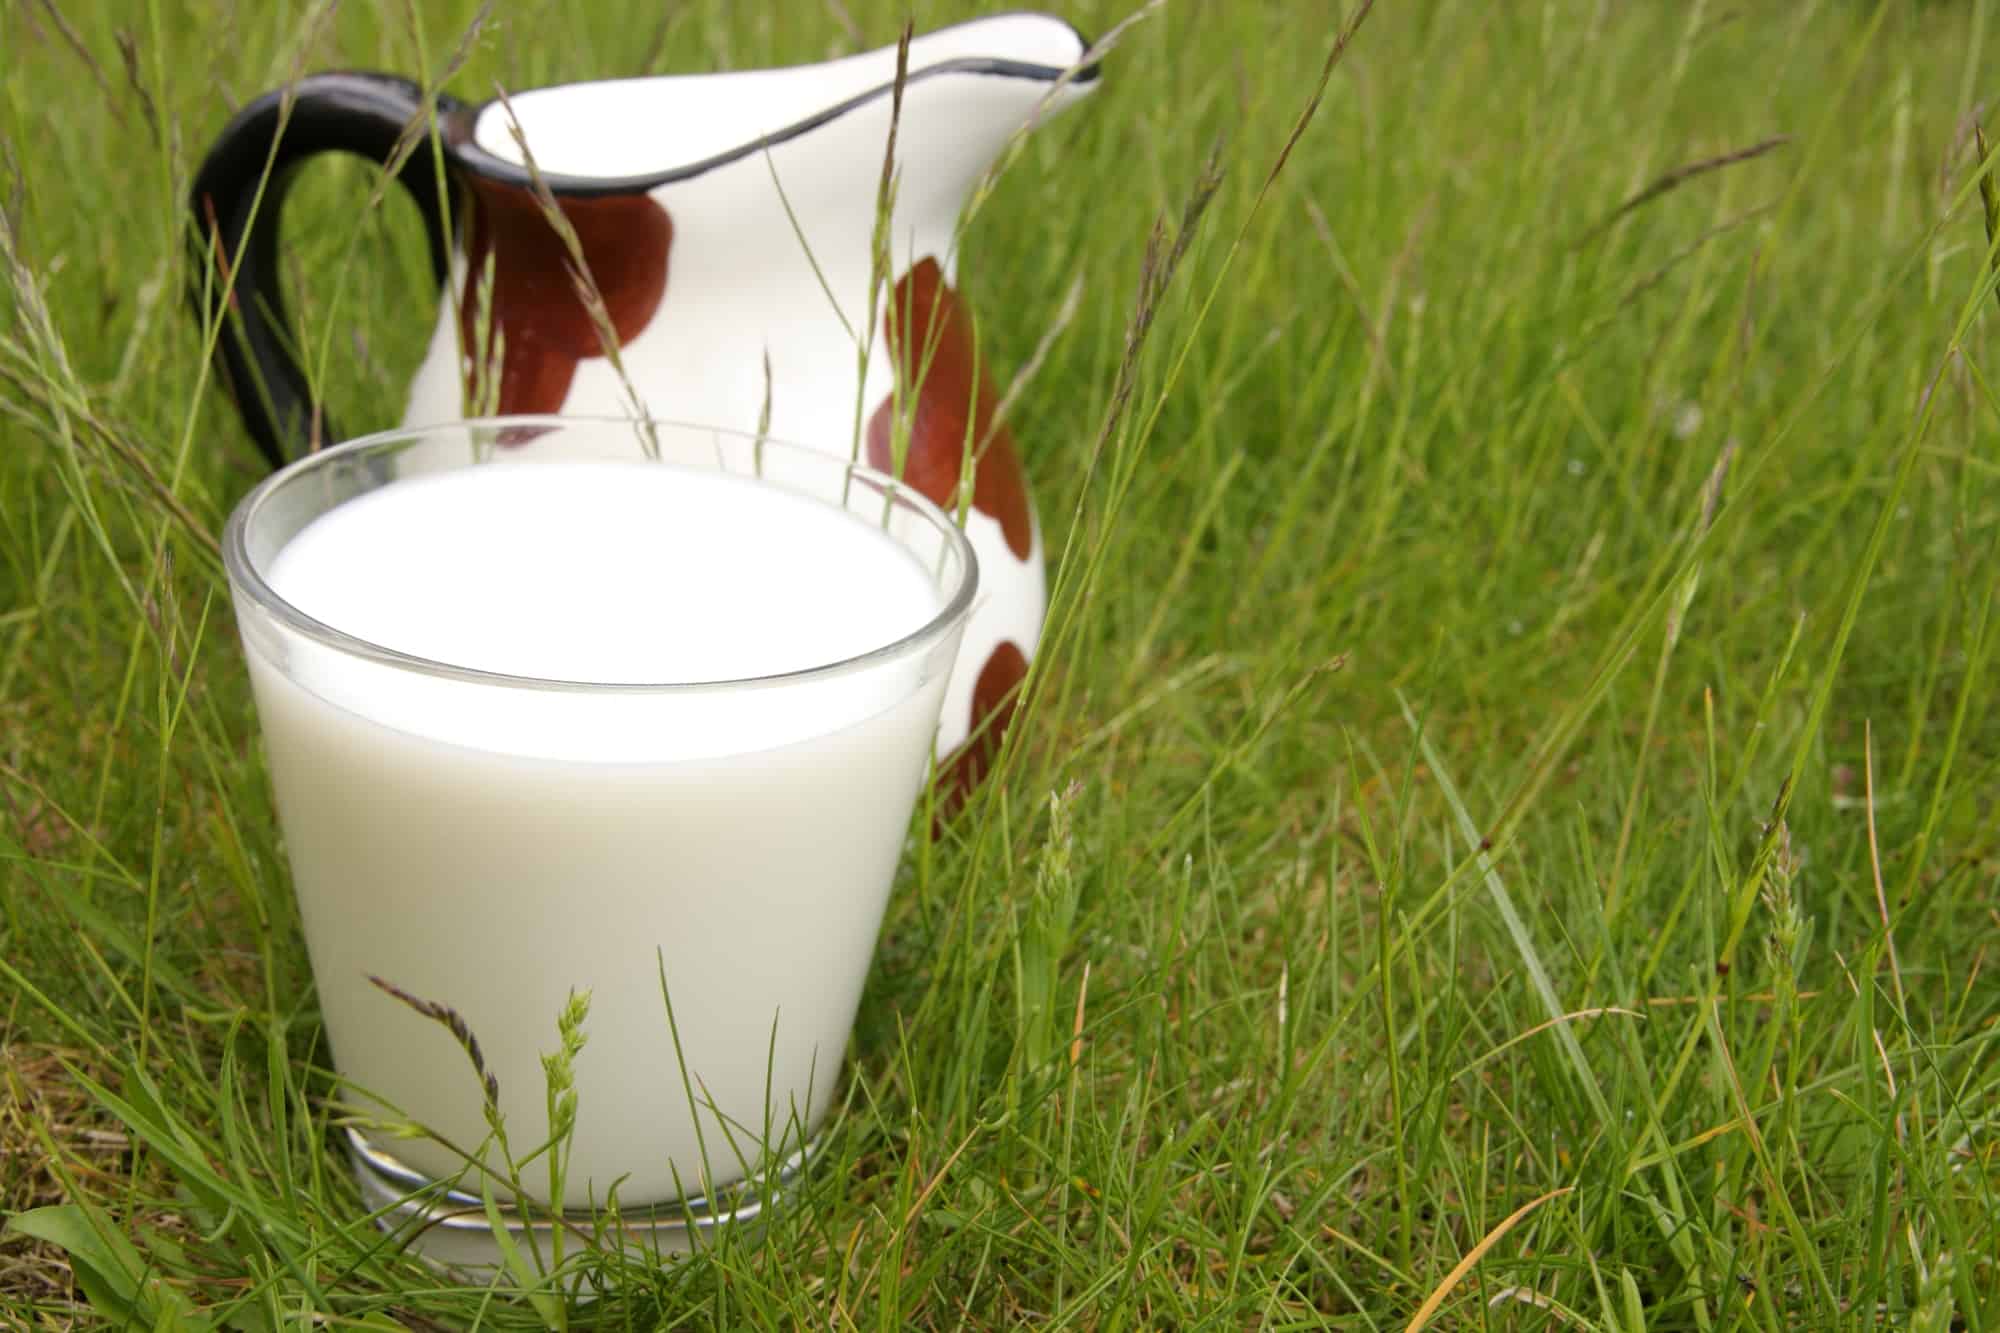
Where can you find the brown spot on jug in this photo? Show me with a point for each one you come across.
(929, 333)
(930, 338)
(995, 695)
(544, 327)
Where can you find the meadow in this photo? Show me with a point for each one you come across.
(1504, 832)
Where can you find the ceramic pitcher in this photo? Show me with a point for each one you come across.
(728, 224)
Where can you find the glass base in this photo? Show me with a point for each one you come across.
(449, 1227)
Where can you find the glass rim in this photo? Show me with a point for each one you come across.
(246, 577)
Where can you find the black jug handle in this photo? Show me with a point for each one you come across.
(237, 205)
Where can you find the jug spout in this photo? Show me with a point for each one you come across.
(1021, 38)
(980, 76)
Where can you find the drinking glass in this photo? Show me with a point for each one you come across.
(708, 859)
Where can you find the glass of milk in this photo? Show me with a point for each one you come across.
(560, 705)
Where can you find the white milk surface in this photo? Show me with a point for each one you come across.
(490, 846)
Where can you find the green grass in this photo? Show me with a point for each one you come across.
(1473, 805)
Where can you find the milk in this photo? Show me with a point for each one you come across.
(491, 843)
